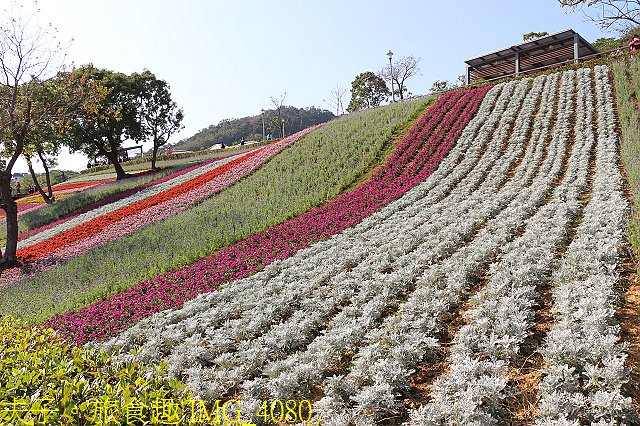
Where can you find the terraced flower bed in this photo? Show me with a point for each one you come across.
(347, 321)
(472, 277)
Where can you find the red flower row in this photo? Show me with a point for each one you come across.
(94, 226)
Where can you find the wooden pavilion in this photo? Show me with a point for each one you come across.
(543, 52)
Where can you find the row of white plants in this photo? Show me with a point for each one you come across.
(116, 205)
(502, 318)
(382, 366)
(584, 360)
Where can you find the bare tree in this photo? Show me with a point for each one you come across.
(336, 99)
(403, 69)
(607, 13)
(440, 85)
(278, 122)
(29, 57)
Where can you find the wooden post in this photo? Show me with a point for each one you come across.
(468, 75)
(575, 48)
(517, 63)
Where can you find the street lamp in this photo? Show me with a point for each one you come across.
(263, 134)
(393, 94)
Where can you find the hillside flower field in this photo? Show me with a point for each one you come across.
(340, 158)
(453, 261)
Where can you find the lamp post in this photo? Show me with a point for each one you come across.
(263, 134)
(393, 94)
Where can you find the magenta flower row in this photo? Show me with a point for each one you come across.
(413, 160)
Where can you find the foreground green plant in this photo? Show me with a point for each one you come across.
(45, 381)
(313, 171)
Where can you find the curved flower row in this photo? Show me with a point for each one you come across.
(502, 319)
(154, 193)
(443, 123)
(117, 197)
(585, 364)
(62, 189)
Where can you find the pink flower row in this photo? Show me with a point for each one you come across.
(412, 162)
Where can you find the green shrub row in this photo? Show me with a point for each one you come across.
(627, 86)
(45, 381)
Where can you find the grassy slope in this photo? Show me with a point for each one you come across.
(627, 83)
(314, 170)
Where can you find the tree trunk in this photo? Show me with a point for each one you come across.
(46, 174)
(154, 156)
(10, 208)
(120, 173)
(45, 197)
(401, 90)
(113, 157)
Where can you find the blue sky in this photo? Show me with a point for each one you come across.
(224, 59)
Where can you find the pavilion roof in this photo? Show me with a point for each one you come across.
(541, 52)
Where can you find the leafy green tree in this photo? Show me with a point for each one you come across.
(606, 43)
(101, 131)
(607, 13)
(160, 115)
(367, 90)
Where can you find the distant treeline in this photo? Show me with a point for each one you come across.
(231, 132)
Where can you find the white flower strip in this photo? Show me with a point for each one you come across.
(368, 391)
(503, 315)
(116, 205)
(585, 364)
